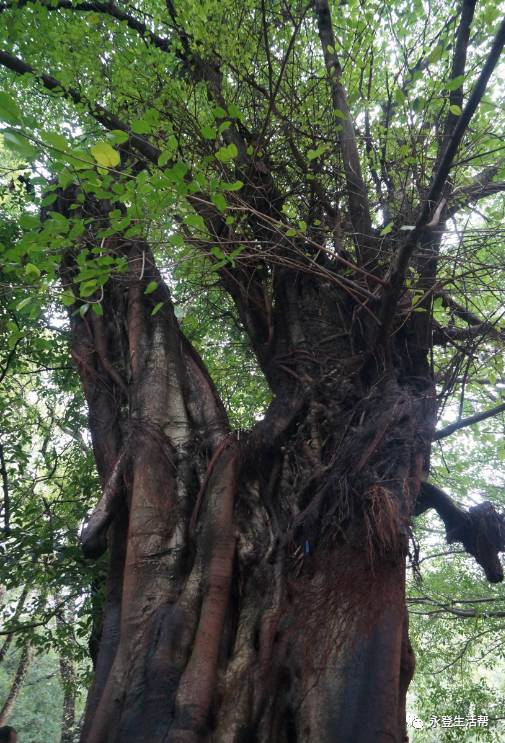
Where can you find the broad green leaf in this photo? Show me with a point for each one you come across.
(387, 229)
(29, 221)
(151, 287)
(236, 186)
(67, 298)
(55, 140)
(195, 220)
(157, 307)
(454, 109)
(141, 126)
(9, 111)
(234, 111)
(219, 201)
(18, 142)
(313, 154)
(105, 155)
(455, 83)
(209, 132)
(119, 136)
(32, 271)
(87, 288)
(23, 304)
(228, 153)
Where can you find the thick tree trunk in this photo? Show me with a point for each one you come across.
(256, 584)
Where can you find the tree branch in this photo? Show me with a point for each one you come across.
(464, 422)
(97, 7)
(457, 70)
(481, 187)
(99, 113)
(5, 488)
(481, 529)
(402, 257)
(356, 190)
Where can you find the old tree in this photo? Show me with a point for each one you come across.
(323, 182)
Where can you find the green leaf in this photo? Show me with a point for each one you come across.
(236, 186)
(455, 83)
(97, 309)
(387, 229)
(313, 154)
(228, 153)
(209, 132)
(157, 308)
(218, 253)
(436, 54)
(87, 288)
(165, 156)
(105, 155)
(195, 220)
(330, 49)
(219, 201)
(32, 271)
(454, 109)
(56, 140)
(234, 111)
(151, 287)
(119, 136)
(17, 142)
(219, 113)
(67, 298)
(339, 114)
(9, 111)
(141, 126)
(29, 221)
(23, 304)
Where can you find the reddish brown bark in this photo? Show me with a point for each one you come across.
(256, 586)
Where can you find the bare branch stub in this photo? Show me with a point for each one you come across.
(481, 529)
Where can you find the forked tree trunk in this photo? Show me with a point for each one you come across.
(256, 584)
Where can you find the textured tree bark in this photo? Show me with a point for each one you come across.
(68, 722)
(68, 682)
(255, 589)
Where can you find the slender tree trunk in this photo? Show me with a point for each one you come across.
(4, 647)
(68, 684)
(17, 683)
(256, 585)
(68, 680)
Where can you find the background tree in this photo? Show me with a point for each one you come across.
(327, 186)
